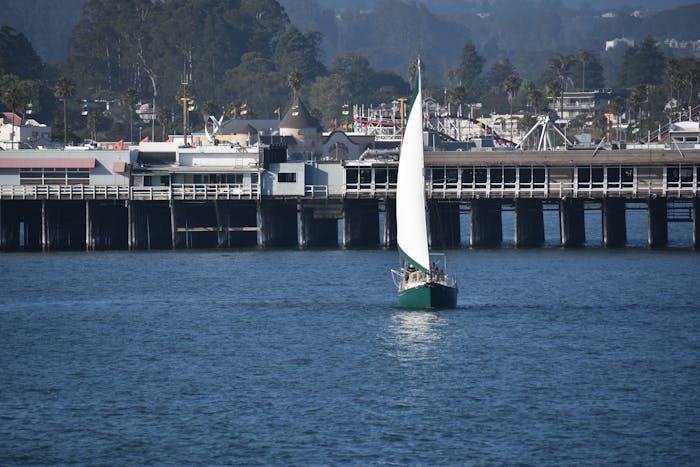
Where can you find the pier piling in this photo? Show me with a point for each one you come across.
(572, 228)
(486, 226)
(318, 226)
(360, 223)
(444, 224)
(390, 223)
(657, 222)
(529, 222)
(614, 223)
(278, 223)
(696, 223)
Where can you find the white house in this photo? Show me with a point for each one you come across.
(16, 133)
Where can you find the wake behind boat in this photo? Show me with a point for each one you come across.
(421, 282)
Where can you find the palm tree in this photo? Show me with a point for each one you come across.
(638, 96)
(559, 67)
(295, 80)
(584, 56)
(92, 125)
(129, 99)
(536, 98)
(555, 88)
(64, 88)
(14, 98)
(511, 86)
(618, 106)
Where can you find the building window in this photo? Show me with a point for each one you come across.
(287, 177)
(365, 176)
(393, 174)
(380, 176)
(351, 177)
(474, 178)
(585, 177)
(620, 177)
(54, 176)
(233, 178)
(679, 176)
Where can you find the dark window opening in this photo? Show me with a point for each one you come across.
(393, 173)
(627, 174)
(584, 175)
(525, 176)
(597, 175)
(468, 176)
(480, 175)
(287, 177)
(365, 175)
(509, 175)
(538, 175)
(496, 175)
(351, 176)
(451, 175)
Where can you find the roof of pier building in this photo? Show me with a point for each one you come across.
(298, 117)
(685, 127)
(238, 126)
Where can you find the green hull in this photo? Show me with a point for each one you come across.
(430, 295)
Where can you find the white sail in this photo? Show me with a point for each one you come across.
(412, 234)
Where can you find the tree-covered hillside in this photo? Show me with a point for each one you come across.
(47, 23)
(229, 55)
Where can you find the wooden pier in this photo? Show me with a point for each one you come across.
(351, 203)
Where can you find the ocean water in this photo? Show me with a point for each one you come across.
(286, 357)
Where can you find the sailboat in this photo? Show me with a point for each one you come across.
(422, 281)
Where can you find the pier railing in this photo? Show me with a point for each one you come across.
(370, 190)
(316, 191)
(214, 191)
(64, 192)
(196, 191)
(571, 189)
(640, 185)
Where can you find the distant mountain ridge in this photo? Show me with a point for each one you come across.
(452, 6)
(378, 28)
(46, 23)
(526, 32)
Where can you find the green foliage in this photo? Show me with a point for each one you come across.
(364, 85)
(682, 76)
(511, 85)
(586, 72)
(297, 51)
(642, 64)
(246, 51)
(17, 94)
(498, 73)
(17, 56)
(468, 72)
(327, 96)
(256, 83)
(64, 89)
